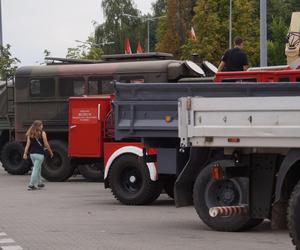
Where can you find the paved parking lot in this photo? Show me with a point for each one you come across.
(83, 215)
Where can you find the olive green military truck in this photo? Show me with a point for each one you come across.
(42, 92)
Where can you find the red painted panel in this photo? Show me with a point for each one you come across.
(86, 119)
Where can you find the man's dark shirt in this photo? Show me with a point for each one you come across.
(234, 60)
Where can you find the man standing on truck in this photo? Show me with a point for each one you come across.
(234, 59)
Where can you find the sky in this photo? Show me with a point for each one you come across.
(31, 26)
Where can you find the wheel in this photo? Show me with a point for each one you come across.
(58, 168)
(169, 186)
(209, 193)
(294, 216)
(130, 181)
(92, 172)
(12, 159)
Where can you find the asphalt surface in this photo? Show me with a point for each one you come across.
(83, 215)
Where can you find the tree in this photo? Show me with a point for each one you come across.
(172, 32)
(87, 50)
(211, 24)
(158, 10)
(276, 46)
(118, 26)
(8, 63)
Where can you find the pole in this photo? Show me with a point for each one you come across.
(263, 33)
(148, 31)
(1, 38)
(230, 24)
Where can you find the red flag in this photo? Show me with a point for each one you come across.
(193, 34)
(127, 47)
(139, 49)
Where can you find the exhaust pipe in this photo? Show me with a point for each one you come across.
(228, 211)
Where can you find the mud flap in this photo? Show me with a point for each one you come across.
(185, 181)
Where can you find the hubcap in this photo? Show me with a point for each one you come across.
(131, 180)
(223, 193)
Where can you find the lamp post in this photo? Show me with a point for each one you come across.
(1, 38)
(263, 33)
(146, 19)
(230, 24)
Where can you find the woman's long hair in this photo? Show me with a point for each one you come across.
(35, 130)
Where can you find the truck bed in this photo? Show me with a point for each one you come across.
(272, 122)
(151, 110)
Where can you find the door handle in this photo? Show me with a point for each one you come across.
(73, 126)
(99, 112)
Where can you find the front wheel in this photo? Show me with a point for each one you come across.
(294, 216)
(210, 193)
(130, 181)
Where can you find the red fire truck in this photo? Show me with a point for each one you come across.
(91, 139)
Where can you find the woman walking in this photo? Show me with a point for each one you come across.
(35, 144)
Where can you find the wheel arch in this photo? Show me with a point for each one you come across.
(288, 175)
(133, 150)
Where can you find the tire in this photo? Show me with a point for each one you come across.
(209, 193)
(294, 216)
(92, 172)
(169, 187)
(59, 168)
(130, 181)
(12, 159)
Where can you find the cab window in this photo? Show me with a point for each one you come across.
(43, 87)
(100, 86)
(298, 79)
(71, 86)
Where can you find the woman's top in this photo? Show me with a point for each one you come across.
(36, 146)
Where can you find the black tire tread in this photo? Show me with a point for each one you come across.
(238, 223)
(68, 170)
(151, 191)
(89, 174)
(23, 167)
(293, 212)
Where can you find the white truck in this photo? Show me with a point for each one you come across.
(260, 141)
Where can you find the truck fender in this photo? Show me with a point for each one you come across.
(289, 161)
(130, 150)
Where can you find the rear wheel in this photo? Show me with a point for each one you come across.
(209, 193)
(58, 168)
(130, 181)
(12, 159)
(294, 216)
(92, 172)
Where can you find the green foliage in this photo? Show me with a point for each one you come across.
(8, 63)
(118, 26)
(173, 31)
(276, 46)
(159, 10)
(87, 50)
(211, 24)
